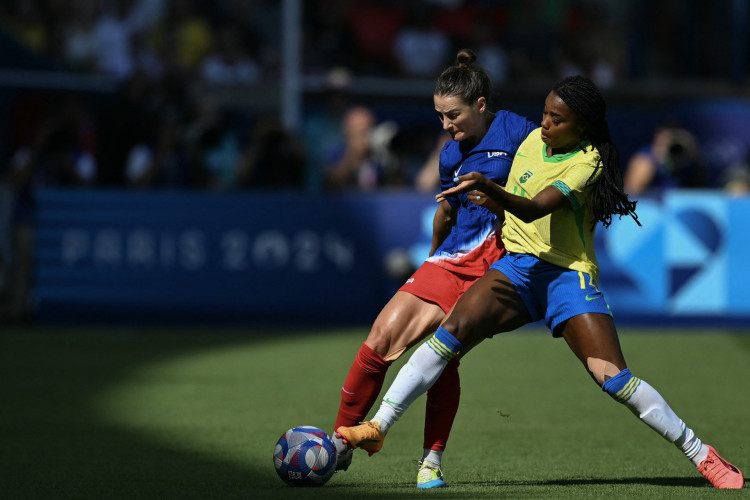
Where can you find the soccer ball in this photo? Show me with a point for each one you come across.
(305, 456)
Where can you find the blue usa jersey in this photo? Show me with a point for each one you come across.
(466, 248)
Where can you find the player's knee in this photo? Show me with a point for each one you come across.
(390, 343)
(460, 327)
(380, 339)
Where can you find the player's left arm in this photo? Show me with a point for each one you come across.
(476, 185)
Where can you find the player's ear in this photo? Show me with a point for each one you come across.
(482, 104)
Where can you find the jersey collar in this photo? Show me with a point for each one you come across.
(559, 158)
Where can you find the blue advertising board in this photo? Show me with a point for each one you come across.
(303, 259)
(688, 260)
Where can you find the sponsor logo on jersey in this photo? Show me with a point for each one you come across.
(455, 174)
(496, 154)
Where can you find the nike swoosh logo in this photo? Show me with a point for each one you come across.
(588, 297)
(522, 156)
(393, 402)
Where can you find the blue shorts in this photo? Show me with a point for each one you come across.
(551, 292)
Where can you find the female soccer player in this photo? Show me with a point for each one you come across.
(464, 245)
(565, 179)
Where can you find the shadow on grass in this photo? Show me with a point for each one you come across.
(687, 482)
(53, 445)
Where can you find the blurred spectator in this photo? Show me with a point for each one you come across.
(61, 153)
(735, 180)
(354, 164)
(489, 50)
(184, 37)
(596, 43)
(78, 37)
(273, 157)
(374, 25)
(144, 14)
(213, 148)
(161, 161)
(230, 63)
(419, 49)
(459, 19)
(321, 127)
(112, 45)
(124, 122)
(671, 160)
(329, 41)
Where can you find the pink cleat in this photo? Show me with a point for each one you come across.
(719, 472)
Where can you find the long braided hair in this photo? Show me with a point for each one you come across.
(608, 197)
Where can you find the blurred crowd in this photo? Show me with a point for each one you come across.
(238, 41)
(156, 133)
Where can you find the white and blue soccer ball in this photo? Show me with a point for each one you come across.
(305, 456)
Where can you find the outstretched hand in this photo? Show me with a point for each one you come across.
(473, 181)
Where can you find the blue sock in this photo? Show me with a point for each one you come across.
(621, 386)
(444, 344)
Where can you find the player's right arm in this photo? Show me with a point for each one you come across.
(528, 210)
(442, 224)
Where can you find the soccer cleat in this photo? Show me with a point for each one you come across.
(719, 472)
(429, 476)
(366, 435)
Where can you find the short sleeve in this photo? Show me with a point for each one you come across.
(446, 177)
(574, 182)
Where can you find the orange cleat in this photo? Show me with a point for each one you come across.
(366, 435)
(719, 472)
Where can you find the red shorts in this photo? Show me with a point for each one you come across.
(440, 286)
(476, 262)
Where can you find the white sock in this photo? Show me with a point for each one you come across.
(434, 457)
(415, 377)
(653, 410)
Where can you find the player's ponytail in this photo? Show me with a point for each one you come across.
(608, 195)
(464, 79)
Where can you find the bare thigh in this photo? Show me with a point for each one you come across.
(404, 321)
(490, 306)
(593, 339)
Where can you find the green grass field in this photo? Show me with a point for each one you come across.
(111, 413)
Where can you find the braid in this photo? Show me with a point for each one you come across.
(608, 197)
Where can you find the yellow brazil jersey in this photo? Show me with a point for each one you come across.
(565, 237)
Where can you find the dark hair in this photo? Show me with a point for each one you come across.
(608, 197)
(464, 79)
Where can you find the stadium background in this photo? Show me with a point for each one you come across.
(120, 377)
(285, 248)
